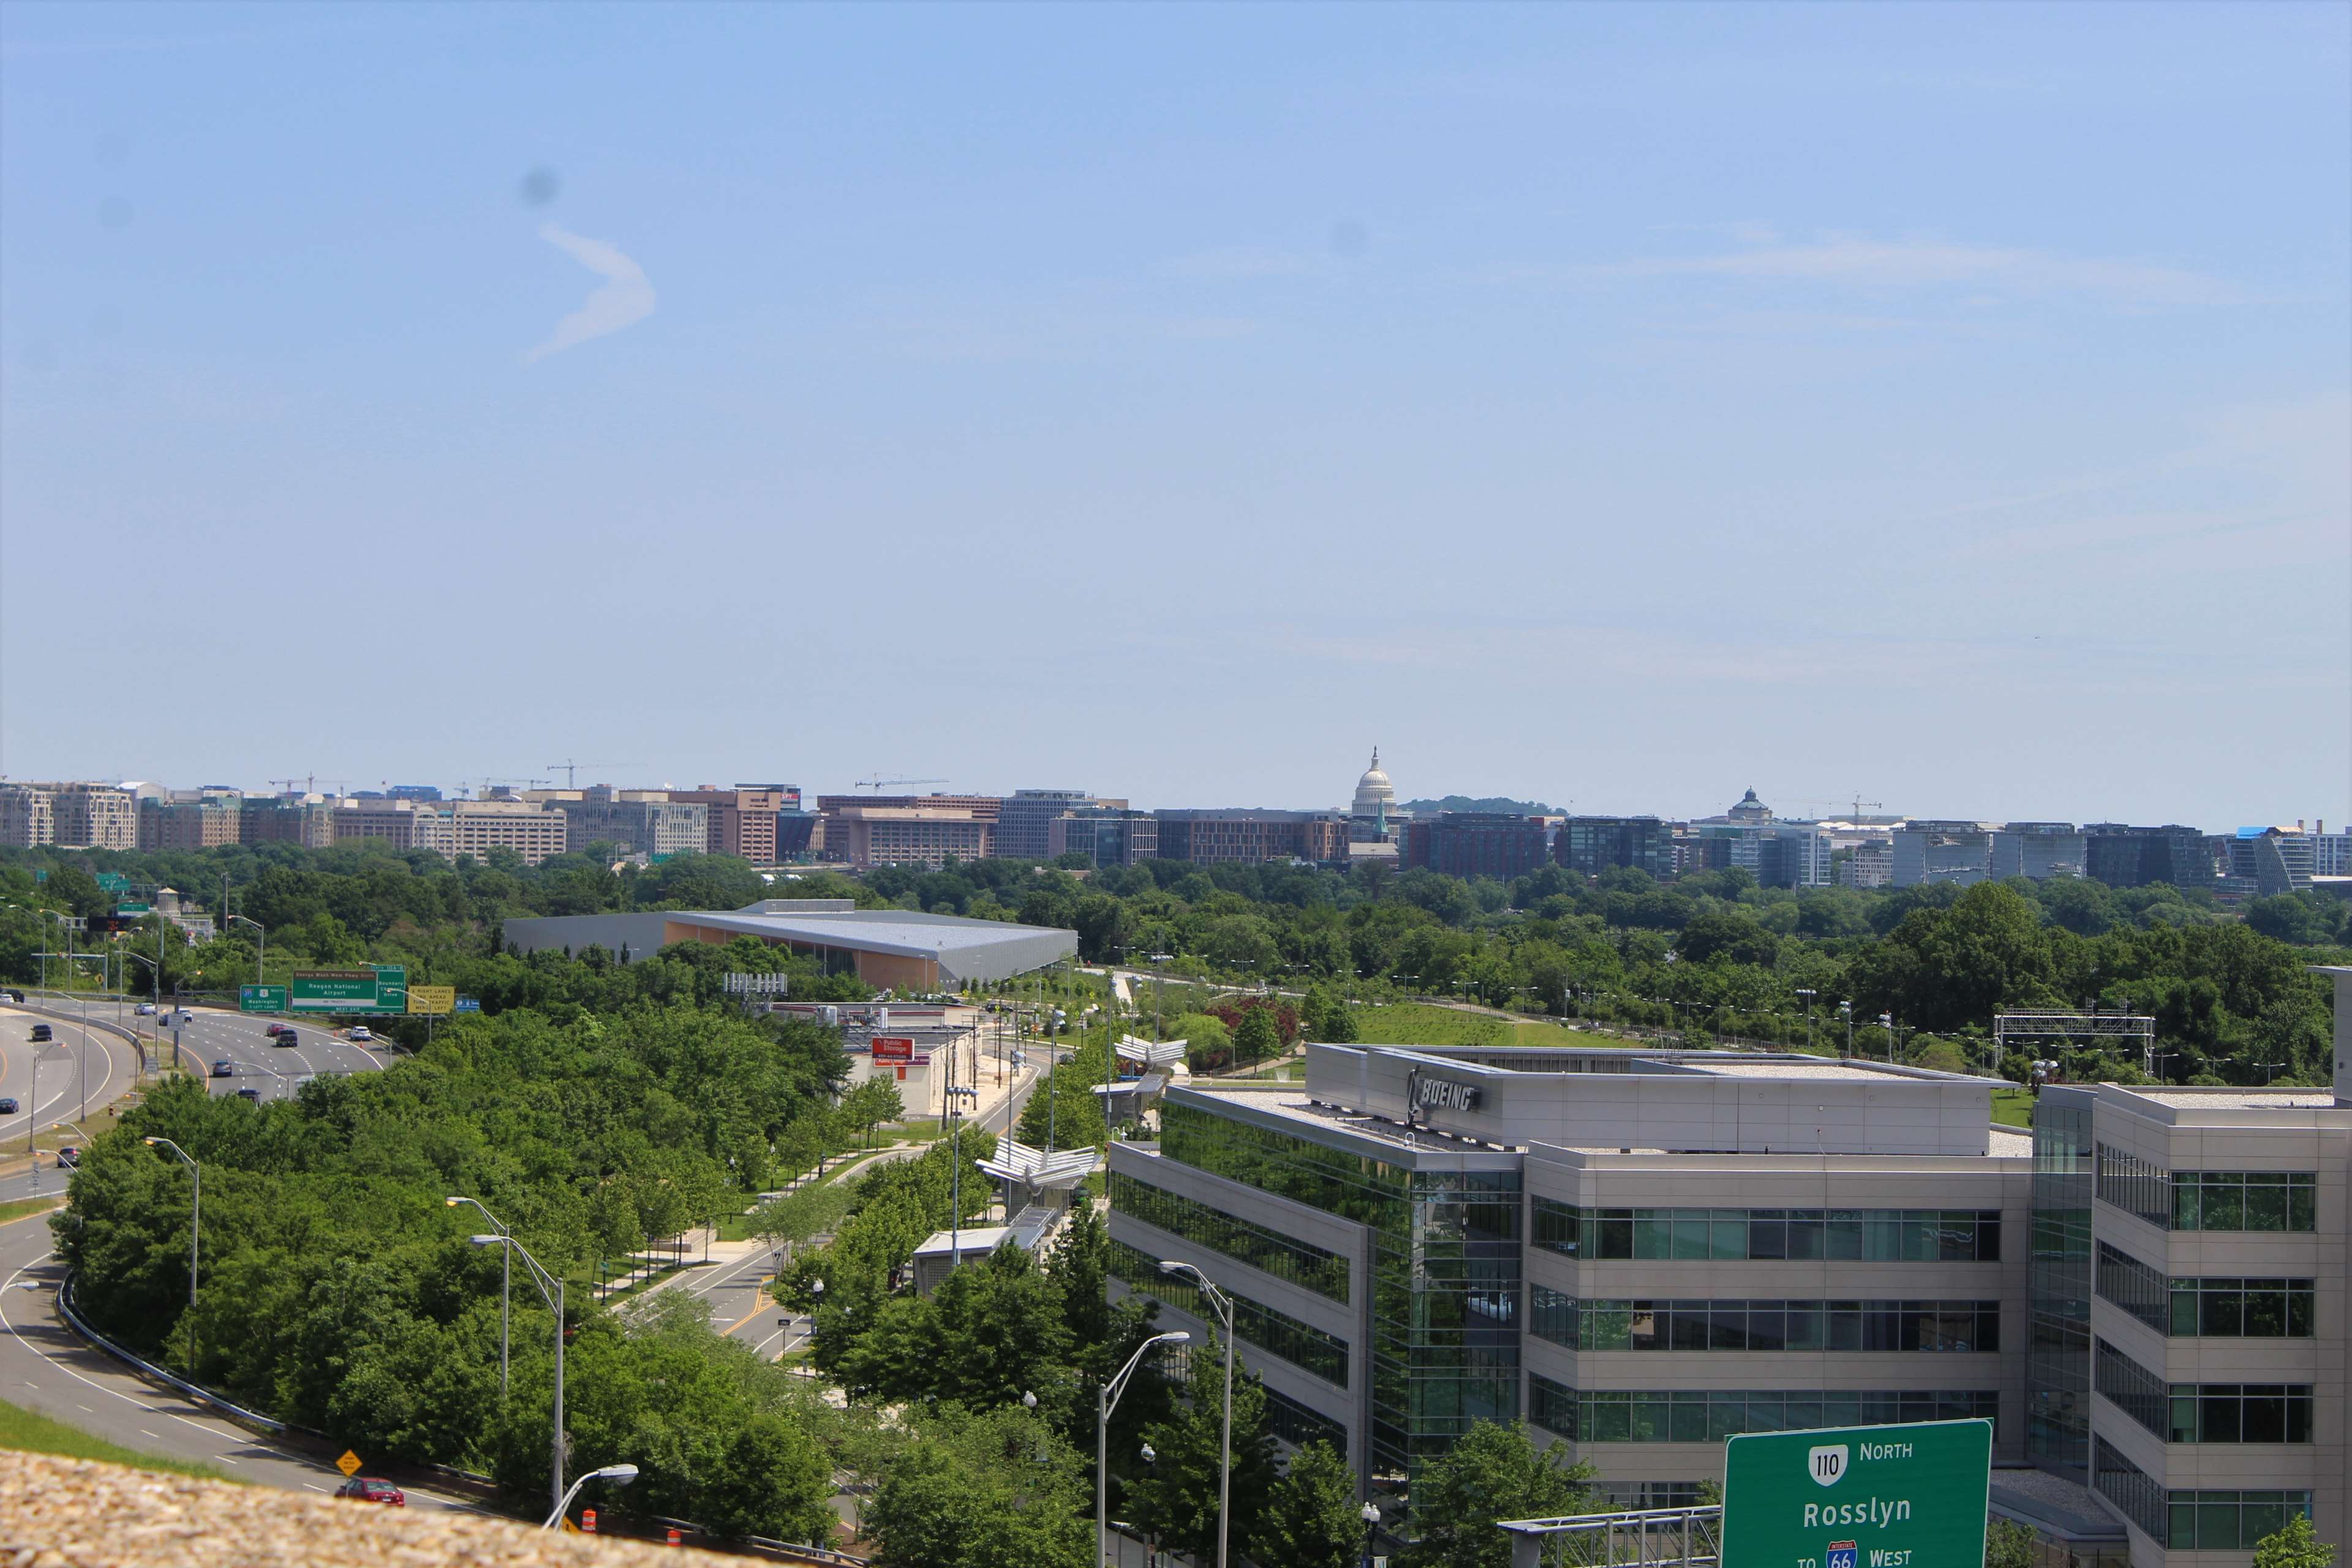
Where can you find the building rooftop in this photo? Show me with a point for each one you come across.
(2242, 1098)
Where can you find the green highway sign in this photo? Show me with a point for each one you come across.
(382, 988)
(1911, 1496)
(261, 999)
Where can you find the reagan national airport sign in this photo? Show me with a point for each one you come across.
(1912, 1496)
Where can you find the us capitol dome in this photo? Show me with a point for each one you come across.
(1373, 817)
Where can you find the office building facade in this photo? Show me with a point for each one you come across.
(636, 822)
(1476, 844)
(75, 815)
(1249, 836)
(1777, 853)
(925, 836)
(1643, 1253)
(1591, 845)
(1104, 835)
(1024, 820)
(474, 827)
(205, 823)
(831, 833)
(29, 817)
(2125, 857)
(741, 821)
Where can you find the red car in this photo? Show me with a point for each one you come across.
(368, 1488)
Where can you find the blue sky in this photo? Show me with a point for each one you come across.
(1613, 405)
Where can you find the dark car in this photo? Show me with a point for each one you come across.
(40, 1034)
(16, 995)
(369, 1489)
(252, 1094)
(7, 1105)
(224, 1069)
(68, 1156)
(287, 1038)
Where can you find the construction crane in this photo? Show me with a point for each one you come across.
(1858, 803)
(571, 770)
(878, 783)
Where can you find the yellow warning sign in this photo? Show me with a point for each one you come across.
(437, 1001)
(569, 1527)
(348, 1464)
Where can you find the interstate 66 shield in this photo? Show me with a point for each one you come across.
(1911, 1496)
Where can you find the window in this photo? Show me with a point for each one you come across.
(1324, 1273)
(1551, 1316)
(1773, 1324)
(2203, 1308)
(2130, 1489)
(2207, 1200)
(1275, 1333)
(1551, 1406)
(2230, 1522)
(1299, 1424)
(2205, 1412)
(1698, 1415)
(1876, 1235)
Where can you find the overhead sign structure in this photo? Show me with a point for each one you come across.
(890, 1049)
(261, 999)
(133, 907)
(1911, 1496)
(742, 984)
(382, 988)
(437, 1001)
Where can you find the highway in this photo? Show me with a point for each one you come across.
(44, 1367)
(59, 1097)
(262, 1064)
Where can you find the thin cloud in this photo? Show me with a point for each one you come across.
(1934, 263)
(625, 298)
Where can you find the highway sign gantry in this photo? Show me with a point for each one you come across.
(261, 999)
(380, 988)
(432, 1001)
(1909, 1496)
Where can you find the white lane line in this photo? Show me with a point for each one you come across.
(208, 1431)
(317, 1488)
(159, 1437)
(88, 1411)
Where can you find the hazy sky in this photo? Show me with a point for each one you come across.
(1620, 406)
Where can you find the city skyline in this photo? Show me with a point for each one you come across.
(1576, 401)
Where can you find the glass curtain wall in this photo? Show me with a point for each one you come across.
(2058, 1361)
(1445, 1272)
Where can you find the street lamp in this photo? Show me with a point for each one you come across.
(195, 1230)
(1807, 992)
(624, 1474)
(506, 1281)
(551, 1289)
(1225, 1306)
(1847, 1007)
(1106, 1401)
(1371, 1518)
(261, 955)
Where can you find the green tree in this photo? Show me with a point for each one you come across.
(982, 1490)
(872, 1103)
(2008, 1544)
(1494, 1472)
(1175, 1496)
(1311, 1518)
(1258, 1036)
(2294, 1545)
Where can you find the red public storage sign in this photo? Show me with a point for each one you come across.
(890, 1049)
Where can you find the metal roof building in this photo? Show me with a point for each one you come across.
(904, 949)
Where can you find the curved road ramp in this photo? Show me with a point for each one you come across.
(76, 1513)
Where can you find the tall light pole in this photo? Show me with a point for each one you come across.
(261, 955)
(1847, 1007)
(1807, 992)
(551, 1289)
(195, 1231)
(1225, 1306)
(624, 1474)
(1106, 1401)
(506, 1280)
(1371, 1515)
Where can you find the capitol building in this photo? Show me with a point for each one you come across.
(1373, 817)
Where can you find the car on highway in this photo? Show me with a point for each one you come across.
(7, 1105)
(68, 1157)
(360, 1032)
(186, 1016)
(274, 1030)
(252, 1094)
(286, 1037)
(373, 1489)
(224, 1069)
(146, 1009)
(15, 995)
(40, 1035)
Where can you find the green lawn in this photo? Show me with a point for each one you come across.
(35, 1433)
(2013, 1108)
(1419, 1024)
(19, 1209)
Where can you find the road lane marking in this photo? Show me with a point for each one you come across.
(144, 1432)
(317, 1488)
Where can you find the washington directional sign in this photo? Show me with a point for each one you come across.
(261, 999)
(1912, 1496)
(381, 988)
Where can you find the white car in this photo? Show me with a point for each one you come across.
(146, 1009)
(360, 1032)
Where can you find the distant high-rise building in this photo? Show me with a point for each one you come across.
(2123, 856)
(29, 817)
(1591, 845)
(1778, 854)
(414, 792)
(92, 815)
(832, 831)
(1249, 835)
(1500, 845)
(1023, 821)
(476, 828)
(1106, 836)
(2274, 859)
(2039, 850)
(636, 823)
(1934, 851)
(395, 821)
(743, 820)
(204, 823)
(287, 819)
(908, 834)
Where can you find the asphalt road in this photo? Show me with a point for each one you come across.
(259, 1062)
(47, 1080)
(44, 1367)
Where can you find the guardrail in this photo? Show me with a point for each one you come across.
(202, 1395)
